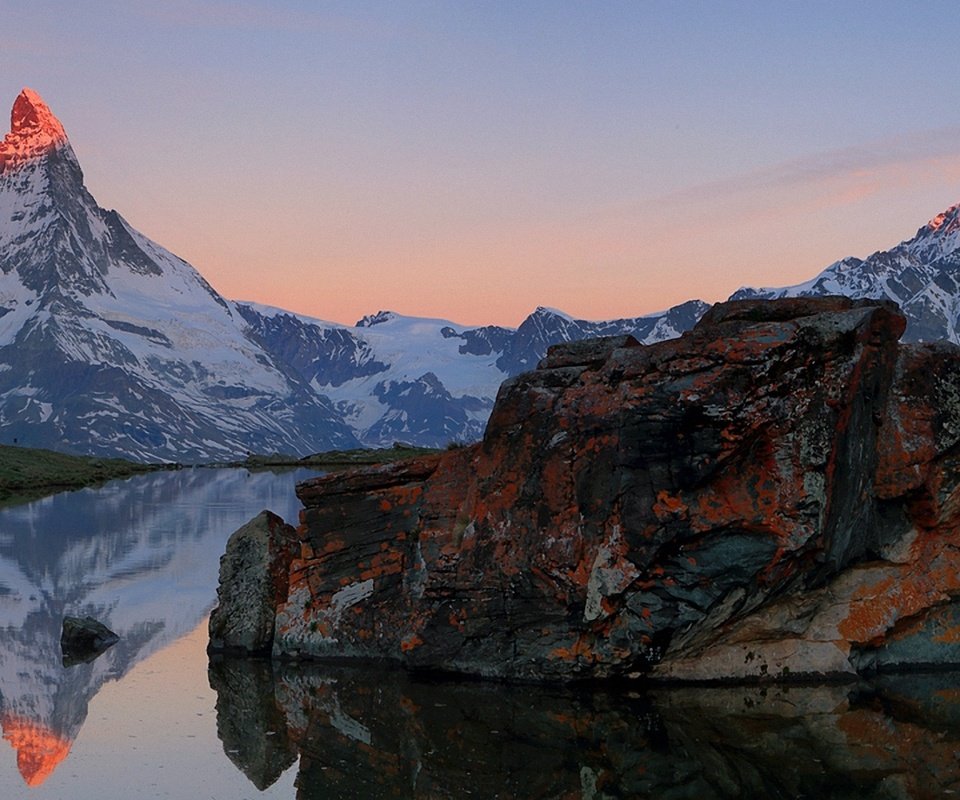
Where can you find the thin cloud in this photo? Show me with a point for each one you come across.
(851, 166)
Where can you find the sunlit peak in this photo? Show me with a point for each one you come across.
(31, 116)
(944, 218)
(34, 131)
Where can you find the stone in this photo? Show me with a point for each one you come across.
(771, 496)
(254, 579)
(584, 352)
(82, 639)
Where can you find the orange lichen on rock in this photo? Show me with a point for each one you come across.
(875, 609)
(668, 505)
(579, 650)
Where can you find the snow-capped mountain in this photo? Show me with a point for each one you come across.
(429, 381)
(111, 345)
(922, 275)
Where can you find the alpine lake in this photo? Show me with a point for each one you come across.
(153, 717)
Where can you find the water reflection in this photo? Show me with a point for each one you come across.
(141, 556)
(372, 733)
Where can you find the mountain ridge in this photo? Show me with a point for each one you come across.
(920, 274)
(111, 345)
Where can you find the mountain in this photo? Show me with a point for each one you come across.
(112, 345)
(922, 275)
(429, 381)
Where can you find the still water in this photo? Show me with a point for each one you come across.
(152, 717)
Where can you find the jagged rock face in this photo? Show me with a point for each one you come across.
(771, 495)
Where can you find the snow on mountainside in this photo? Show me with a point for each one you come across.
(393, 378)
(111, 345)
(921, 274)
(429, 381)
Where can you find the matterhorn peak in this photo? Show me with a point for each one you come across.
(31, 116)
(34, 131)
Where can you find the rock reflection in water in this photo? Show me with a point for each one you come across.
(369, 733)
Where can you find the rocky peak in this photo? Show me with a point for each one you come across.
(546, 312)
(34, 131)
(30, 116)
(369, 320)
(939, 238)
(944, 222)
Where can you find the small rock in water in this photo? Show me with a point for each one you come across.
(83, 639)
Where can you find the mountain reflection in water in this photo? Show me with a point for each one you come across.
(140, 555)
(369, 733)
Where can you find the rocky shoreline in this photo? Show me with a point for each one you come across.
(772, 496)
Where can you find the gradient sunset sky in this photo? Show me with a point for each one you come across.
(472, 160)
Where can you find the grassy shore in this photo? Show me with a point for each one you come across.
(26, 473)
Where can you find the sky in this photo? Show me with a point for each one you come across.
(474, 160)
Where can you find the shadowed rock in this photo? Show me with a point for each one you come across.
(250, 723)
(374, 733)
(253, 581)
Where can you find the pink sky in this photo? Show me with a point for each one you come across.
(473, 162)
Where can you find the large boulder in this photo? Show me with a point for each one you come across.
(771, 495)
(254, 579)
